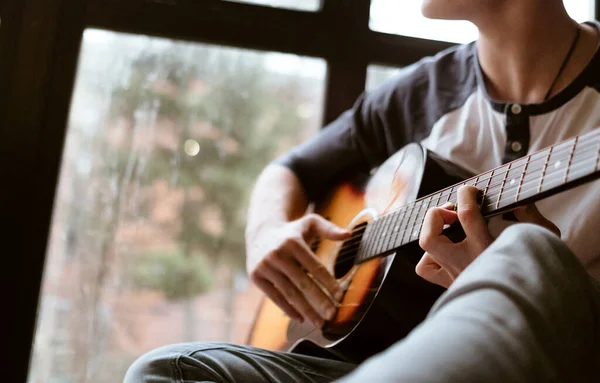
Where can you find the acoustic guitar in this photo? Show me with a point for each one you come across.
(384, 298)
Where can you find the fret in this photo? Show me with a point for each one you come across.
(487, 185)
(382, 234)
(457, 186)
(404, 225)
(511, 183)
(570, 160)
(486, 190)
(454, 196)
(413, 225)
(392, 227)
(408, 229)
(365, 242)
(385, 234)
(393, 224)
(422, 219)
(388, 244)
(522, 178)
(597, 158)
(475, 184)
(503, 184)
(439, 199)
(451, 199)
(442, 198)
(494, 186)
(375, 236)
(539, 188)
(397, 227)
(381, 237)
(449, 194)
(413, 233)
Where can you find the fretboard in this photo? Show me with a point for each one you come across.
(520, 182)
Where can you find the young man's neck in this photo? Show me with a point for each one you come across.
(522, 47)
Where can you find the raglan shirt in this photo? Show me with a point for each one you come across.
(442, 103)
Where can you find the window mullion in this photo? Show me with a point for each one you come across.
(346, 81)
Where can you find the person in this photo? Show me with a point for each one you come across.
(521, 303)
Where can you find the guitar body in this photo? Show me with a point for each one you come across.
(384, 298)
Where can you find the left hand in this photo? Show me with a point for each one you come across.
(444, 260)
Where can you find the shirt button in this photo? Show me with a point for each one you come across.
(516, 146)
(516, 109)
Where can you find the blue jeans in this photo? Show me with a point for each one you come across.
(524, 311)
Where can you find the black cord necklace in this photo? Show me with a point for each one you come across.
(565, 62)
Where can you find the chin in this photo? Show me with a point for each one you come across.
(446, 9)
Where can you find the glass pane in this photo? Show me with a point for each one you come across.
(165, 141)
(303, 5)
(379, 74)
(405, 18)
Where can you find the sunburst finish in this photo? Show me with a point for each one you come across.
(396, 182)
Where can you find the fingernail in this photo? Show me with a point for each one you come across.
(339, 294)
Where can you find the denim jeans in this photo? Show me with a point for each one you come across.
(524, 311)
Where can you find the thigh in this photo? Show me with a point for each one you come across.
(223, 362)
(524, 311)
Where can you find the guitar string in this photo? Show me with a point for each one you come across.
(354, 248)
(529, 160)
(549, 178)
(575, 172)
(584, 149)
(581, 149)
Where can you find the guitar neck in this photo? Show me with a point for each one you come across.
(523, 181)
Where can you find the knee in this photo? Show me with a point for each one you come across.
(156, 366)
(529, 240)
(528, 255)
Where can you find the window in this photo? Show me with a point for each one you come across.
(379, 74)
(304, 5)
(165, 141)
(405, 18)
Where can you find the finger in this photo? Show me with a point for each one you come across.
(304, 255)
(278, 298)
(317, 226)
(469, 215)
(307, 286)
(431, 271)
(292, 295)
(531, 214)
(431, 238)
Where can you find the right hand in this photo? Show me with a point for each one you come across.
(281, 263)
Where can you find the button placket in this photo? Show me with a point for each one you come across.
(517, 132)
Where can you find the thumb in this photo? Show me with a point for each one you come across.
(531, 214)
(317, 226)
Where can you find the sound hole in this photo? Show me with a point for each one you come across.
(345, 258)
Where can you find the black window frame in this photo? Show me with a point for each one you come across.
(39, 48)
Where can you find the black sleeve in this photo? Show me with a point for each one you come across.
(354, 142)
(381, 122)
